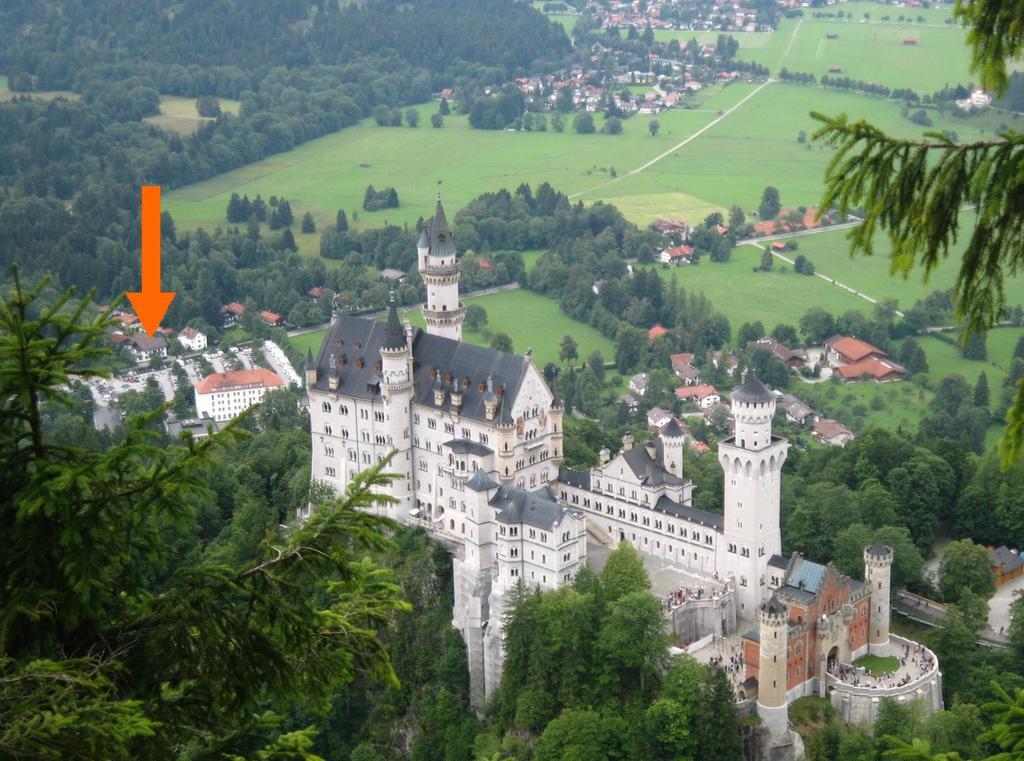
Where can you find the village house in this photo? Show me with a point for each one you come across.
(144, 348)
(677, 255)
(1006, 564)
(832, 433)
(273, 319)
(657, 419)
(793, 358)
(630, 402)
(232, 311)
(316, 293)
(192, 339)
(657, 331)
(638, 383)
(797, 411)
(856, 360)
(722, 357)
(703, 394)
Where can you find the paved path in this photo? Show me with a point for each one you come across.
(678, 145)
(828, 279)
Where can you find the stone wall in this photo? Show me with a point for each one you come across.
(698, 618)
(859, 705)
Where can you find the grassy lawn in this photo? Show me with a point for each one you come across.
(877, 665)
(179, 114)
(871, 52)
(527, 317)
(830, 253)
(756, 146)
(332, 172)
(944, 359)
(743, 295)
(530, 258)
(893, 406)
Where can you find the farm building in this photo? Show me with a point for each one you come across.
(1006, 564)
(832, 433)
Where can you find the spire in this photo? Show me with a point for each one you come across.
(506, 410)
(440, 223)
(394, 333)
(423, 242)
(309, 358)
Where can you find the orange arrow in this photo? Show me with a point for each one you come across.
(150, 303)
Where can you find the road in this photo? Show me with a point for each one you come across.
(678, 145)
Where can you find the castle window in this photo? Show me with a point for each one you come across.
(483, 438)
(732, 547)
(328, 430)
(342, 409)
(513, 552)
(449, 428)
(501, 530)
(543, 536)
(344, 433)
(743, 581)
(565, 536)
(567, 557)
(513, 572)
(326, 406)
(466, 433)
(431, 423)
(352, 455)
(513, 531)
(745, 552)
(760, 553)
(329, 471)
(416, 418)
(329, 451)
(378, 415)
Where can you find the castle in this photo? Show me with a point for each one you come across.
(477, 441)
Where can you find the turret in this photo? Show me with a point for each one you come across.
(672, 440)
(310, 368)
(439, 268)
(396, 395)
(772, 672)
(506, 440)
(753, 407)
(555, 416)
(878, 578)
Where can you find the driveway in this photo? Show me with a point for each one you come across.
(999, 605)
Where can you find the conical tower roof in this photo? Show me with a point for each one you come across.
(394, 333)
(423, 242)
(753, 391)
(440, 235)
(672, 430)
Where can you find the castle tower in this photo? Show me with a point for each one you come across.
(506, 441)
(310, 368)
(672, 440)
(877, 577)
(771, 668)
(396, 392)
(439, 268)
(752, 465)
(556, 417)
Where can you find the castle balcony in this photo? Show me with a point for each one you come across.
(440, 270)
(857, 694)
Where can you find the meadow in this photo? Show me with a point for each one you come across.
(830, 254)
(528, 318)
(742, 295)
(179, 114)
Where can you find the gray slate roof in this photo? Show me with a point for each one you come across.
(753, 391)
(693, 514)
(805, 574)
(439, 235)
(355, 337)
(519, 506)
(481, 482)
(578, 478)
(467, 446)
(650, 471)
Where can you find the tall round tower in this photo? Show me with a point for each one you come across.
(396, 393)
(877, 576)
(439, 268)
(771, 667)
(751, 462)
(672, 441)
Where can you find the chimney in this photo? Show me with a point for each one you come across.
(627, 441)
(652, 449)
(605, 455)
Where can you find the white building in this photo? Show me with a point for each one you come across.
(457, 416)
(224, 396)
(144, 347)
(192, 339)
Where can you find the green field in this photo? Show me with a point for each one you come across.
(743, 295)
(878, 665)
(527, 317)
(830, 253)
(332, 172)
(869, 52)
(179, 114)
(756, 146)
(893, 406)
(567, 20)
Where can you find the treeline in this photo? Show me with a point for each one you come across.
(70, 172)
(587, 675)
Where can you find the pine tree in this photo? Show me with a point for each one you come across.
(444, 109)
(341, 221)
(981, 394)
(284, 213)
(246, 208)
(104, 618)
(288, 240)
(370, 199)
(308, 225)
(234, 211)
(259, 209)
(391, 200)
